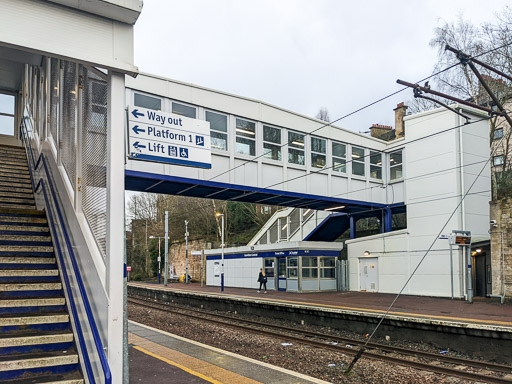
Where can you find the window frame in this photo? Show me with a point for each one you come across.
(376, 166)
(311, 269)
(502, 157)
(195, 108)
(8, 115)
(221, 133)
(278, 145)
(391, 166)
(496, 137)
(289, 268)
(162, 100)
(322, 268)
(296, 148)
(335, 158)
(240, 135)
(356, 161)
(315, 153)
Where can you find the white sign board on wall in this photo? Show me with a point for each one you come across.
(168, 138)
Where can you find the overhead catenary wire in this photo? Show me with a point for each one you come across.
(349, 114)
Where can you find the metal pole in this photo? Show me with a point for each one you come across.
(222, 264)
(166, 246)
(502, 267)
(186, 251)
(451, 266)
(470, 277)
(202, 259)
(159, 259)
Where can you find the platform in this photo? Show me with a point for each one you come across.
(160, 357)
(483, 312)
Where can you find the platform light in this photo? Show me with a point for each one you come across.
(479, 250)
(366, 253)
(245, 131)
(297, 143)
(333, 208)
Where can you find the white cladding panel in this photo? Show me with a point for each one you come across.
(63, 32)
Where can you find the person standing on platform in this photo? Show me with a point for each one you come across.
(262, 279)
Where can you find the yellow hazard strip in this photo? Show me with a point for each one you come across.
(177, 365)
(369, 310)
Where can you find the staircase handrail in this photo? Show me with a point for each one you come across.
(78, 277)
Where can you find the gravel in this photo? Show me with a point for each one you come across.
(321, 364)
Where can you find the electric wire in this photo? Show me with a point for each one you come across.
(352, 113)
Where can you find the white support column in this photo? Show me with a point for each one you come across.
(115, 222)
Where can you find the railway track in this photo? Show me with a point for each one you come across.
(409, 358)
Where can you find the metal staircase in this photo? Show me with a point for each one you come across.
(36, 339)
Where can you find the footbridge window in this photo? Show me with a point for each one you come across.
(318, 149)
(395, 165)
(339, 157)
(218, 130)
(358, 161)
(245, 137)
(272, 142)
(7, 109)
(296, 148)
(148, 102)
(376, 165)
(184, 110)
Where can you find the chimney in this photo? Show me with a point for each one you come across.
(400, 110)
(377, 130)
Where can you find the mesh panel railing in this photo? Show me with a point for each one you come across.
(294, 221)
(68, 126)
(273, 231)
(54, 99)
(94, 155)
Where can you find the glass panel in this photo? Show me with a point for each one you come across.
(296, 140)
(339, 165)
(245, 128)
(375, 172)
(7, 104)
(375, 158)
(272, 151)
(396, 172)
(6, 125)
(219, 140)
(310, 273)
(217, 122)
(292, 273)
(282, 268)
(317, 160)
(498, 160)
(358, 168)
(273, 233)
(245, 146)
(269, 267)
(293, 261)
(498, 133)
(295, 156)
(395, 158)
(283, 223)
(339, 150)
(358, 153)
(184, 110)
(147, 102)
(328, 261)
(309, 261)
(272, 134)
(318, 145)
(327, 273)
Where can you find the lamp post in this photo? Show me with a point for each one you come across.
(221, 215)
(159, 257)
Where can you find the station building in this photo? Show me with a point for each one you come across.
(71, 96)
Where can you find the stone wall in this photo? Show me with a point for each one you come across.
(501, 212)
(177, 258)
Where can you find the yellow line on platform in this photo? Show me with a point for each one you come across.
(177, 365)
(436, 317)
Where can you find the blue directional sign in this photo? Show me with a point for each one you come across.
(168, 138)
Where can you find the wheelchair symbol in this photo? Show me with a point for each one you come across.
(184, 153)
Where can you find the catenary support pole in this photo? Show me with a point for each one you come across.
(470, 276)
(186, 251)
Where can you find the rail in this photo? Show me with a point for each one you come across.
(41, 185)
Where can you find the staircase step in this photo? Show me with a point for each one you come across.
(34, 320)
(15, 171)
(24, 249)
(39, 302)
(6, 189)
(22, 260)
(28, 223)
(14, 230)
(17, 195)
(44, 342)
(15, 174)
(39, 364)
(13, 179)
(12, 199)
(29, 272)
(10, 287)
(12, 212)
(17, 206)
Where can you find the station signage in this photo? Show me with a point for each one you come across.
(168, 138)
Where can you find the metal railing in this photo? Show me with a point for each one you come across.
(41, 186)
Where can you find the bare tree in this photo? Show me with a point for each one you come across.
(323, 114)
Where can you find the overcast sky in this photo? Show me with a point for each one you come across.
(300, 55)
